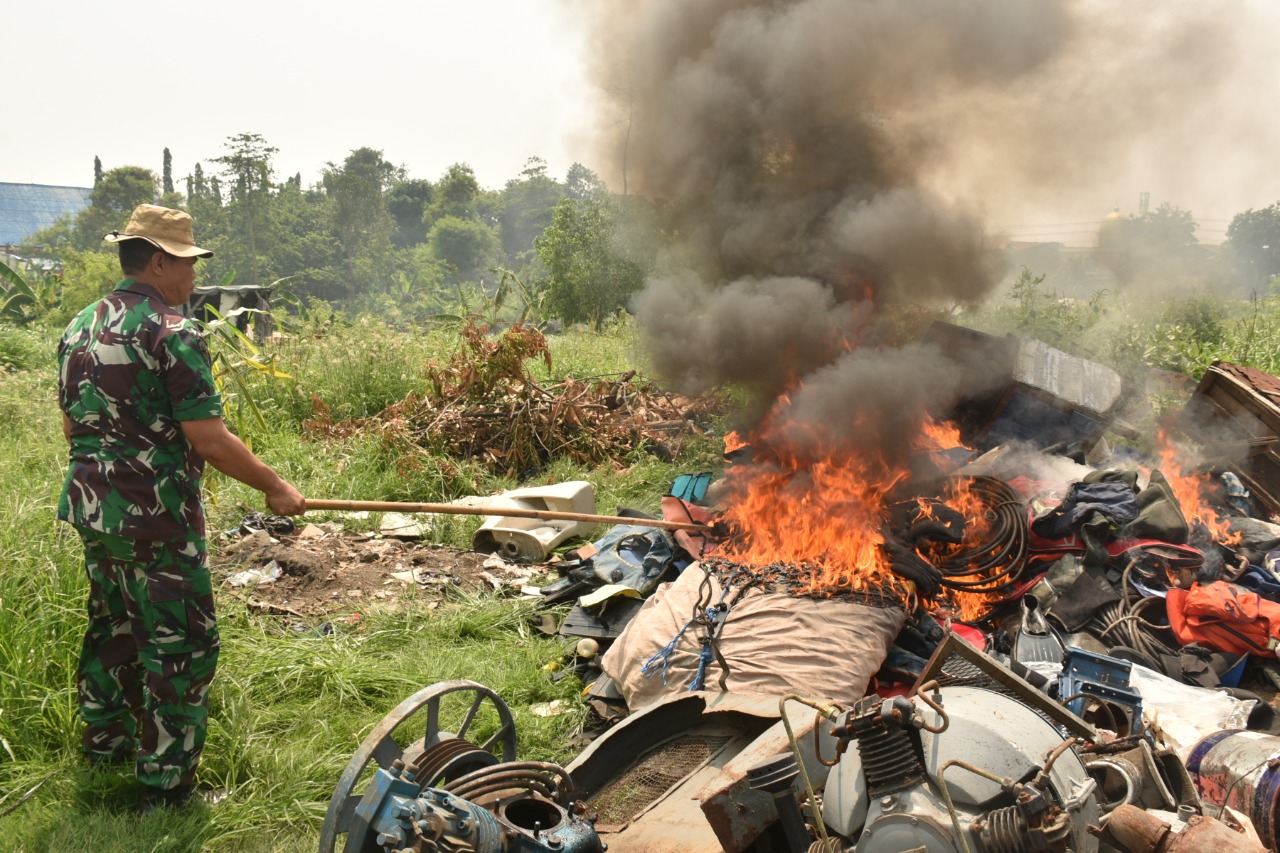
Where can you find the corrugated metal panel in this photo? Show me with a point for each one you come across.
(27, 208)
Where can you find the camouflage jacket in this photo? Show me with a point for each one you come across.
(129, 369)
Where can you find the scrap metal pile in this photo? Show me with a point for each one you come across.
(486, 404)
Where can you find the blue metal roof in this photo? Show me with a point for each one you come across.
(27, 208)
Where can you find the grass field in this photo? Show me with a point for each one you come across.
(288, 709)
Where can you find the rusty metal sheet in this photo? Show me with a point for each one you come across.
(674, 819)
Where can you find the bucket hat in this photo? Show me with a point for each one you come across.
(163, 227)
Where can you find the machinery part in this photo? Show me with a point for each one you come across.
(1137, 831)
(889, 758)
(448, 759)
(397, 815)
(1172, 781)
(1119, 780)
(1105, 681)
(1240, 769)
(1036, 642)
(514, 778)
(1160, 779)
(1023, 787)
(1032, 823)
(955, 662)
(424, 709)
(778, 778)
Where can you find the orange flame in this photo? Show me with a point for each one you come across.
(939, 435)
(732, 442)
(1194, 491)
(822, 512)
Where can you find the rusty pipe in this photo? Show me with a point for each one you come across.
(502, 511)
(1133, 829)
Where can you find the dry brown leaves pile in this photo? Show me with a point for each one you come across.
(485, 404)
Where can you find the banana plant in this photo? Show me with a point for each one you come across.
(511, 284)
(19, 298)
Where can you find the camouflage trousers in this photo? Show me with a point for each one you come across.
(149, 654)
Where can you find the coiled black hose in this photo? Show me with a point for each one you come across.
(994, 565)
(1122, 623)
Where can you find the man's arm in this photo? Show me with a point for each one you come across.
(66, 426)
(224, 451)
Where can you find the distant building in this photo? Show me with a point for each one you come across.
(27, 208)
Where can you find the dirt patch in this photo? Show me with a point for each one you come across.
(322, 571)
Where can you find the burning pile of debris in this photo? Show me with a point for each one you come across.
(1107, 596)
(486, 404)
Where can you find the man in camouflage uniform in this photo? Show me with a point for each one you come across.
(142, 415)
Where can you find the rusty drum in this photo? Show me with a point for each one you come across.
(1241, 769)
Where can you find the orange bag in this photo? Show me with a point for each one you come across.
(1224, 617)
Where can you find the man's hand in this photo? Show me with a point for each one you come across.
(286, 500)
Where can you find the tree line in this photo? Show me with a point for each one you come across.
(368, 237)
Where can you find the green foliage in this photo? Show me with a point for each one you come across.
(590, 276)
(455, 194)
(85, 277)
(418, 294)
(532, 299)
(124, 188)
(369, 238)
(1159, 245)
(27, 295)
(527, 207)
(1045, 315)
(466, 245)
(1187, 336)
(167, 173)
(407, 202)
(300, 246)
(23, 348)
(246, 163)
(236, 358)
(581, 183)
(360, 219)
(1253, 245)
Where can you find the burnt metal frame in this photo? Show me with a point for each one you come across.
(1006, 682)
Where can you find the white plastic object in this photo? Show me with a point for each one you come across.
(531, 539)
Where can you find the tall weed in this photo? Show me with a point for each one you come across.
(24, 348)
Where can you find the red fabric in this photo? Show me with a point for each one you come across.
(1043, 549)
(1224, 617)
(969, 634)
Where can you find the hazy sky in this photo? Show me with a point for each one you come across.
(430, 83)
(493, 82)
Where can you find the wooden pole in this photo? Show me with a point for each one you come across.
(506, 511)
